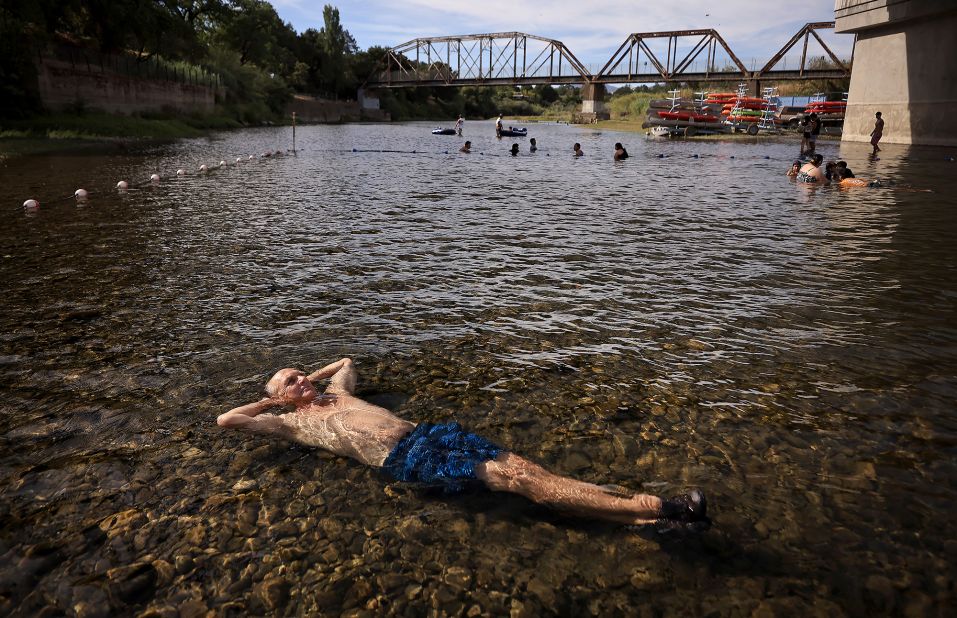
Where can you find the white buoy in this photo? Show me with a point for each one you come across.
(251, 157)
(155, 178)
(180, 172)
(31, 205)
(238, 160)
(122, 185)
(202, 168)
(80, 194)
(266, 154)
(222, 164)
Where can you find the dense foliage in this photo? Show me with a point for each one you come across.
(260, 59)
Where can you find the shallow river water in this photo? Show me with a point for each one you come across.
(660, 323)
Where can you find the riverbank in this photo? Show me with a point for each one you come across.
(99, 125)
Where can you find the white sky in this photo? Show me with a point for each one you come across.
(592, 30)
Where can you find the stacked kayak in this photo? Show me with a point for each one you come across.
(826, 107)
(720, 98)
(688, 116)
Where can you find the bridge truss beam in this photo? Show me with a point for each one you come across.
(504, 58)
(519, 59)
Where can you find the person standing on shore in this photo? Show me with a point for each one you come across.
(877, 133)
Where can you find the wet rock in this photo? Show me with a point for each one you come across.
(194, 608)
(244, 485)
(880, 594)
(412, 592)
(122, 523)
(90, 602)
(391, 581)
(473, 611)
(184, 564)
(196, 535)
(283, 529)
(457, 577)
(273, 593)
(459, 529)
(296, 508)
(626, 446)
(164, 572)
(132, 583)
(646, 578)
(577, 460)
(917, 605)
(411, 528)
(443, 595)
(542, 590)
(159, 611)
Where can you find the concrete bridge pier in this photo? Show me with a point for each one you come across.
(369, 105)
(593, 103)
(903, 68)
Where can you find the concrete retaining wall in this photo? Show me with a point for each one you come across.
(309, 109)
(64, 85)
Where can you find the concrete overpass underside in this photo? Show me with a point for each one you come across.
(904, 67)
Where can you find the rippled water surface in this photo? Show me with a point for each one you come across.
(657, 323)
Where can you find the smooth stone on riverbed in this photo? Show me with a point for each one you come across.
(132, 583)
(245, 485)
(272, 592)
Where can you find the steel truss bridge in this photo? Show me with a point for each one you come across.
(516, 58)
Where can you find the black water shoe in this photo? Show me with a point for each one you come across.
(686, 508)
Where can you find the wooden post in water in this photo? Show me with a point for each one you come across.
(294, 133)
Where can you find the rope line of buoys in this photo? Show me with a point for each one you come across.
(81, 195)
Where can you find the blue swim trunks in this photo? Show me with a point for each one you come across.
(445, 455)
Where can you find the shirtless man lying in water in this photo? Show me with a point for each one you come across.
(438, 454)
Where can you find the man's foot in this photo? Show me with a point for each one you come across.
(690, 507)
(667, 526)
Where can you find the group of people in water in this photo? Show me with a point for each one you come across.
(834, 171)
(620, 152)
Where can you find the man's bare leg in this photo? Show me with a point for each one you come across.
(512, 473)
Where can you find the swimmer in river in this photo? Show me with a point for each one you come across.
(843, 170)
(830, 170)
(811, 172)
(578, 150)
(620, 153)
(466, 147)
(794, 169)
(442, 455)
(532, 145)
(514, 150)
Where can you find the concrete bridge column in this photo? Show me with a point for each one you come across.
(903, 68)
(593, 102)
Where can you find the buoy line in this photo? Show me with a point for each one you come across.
(81, 195)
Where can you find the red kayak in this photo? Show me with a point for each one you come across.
(755, 106)
(688, 116)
